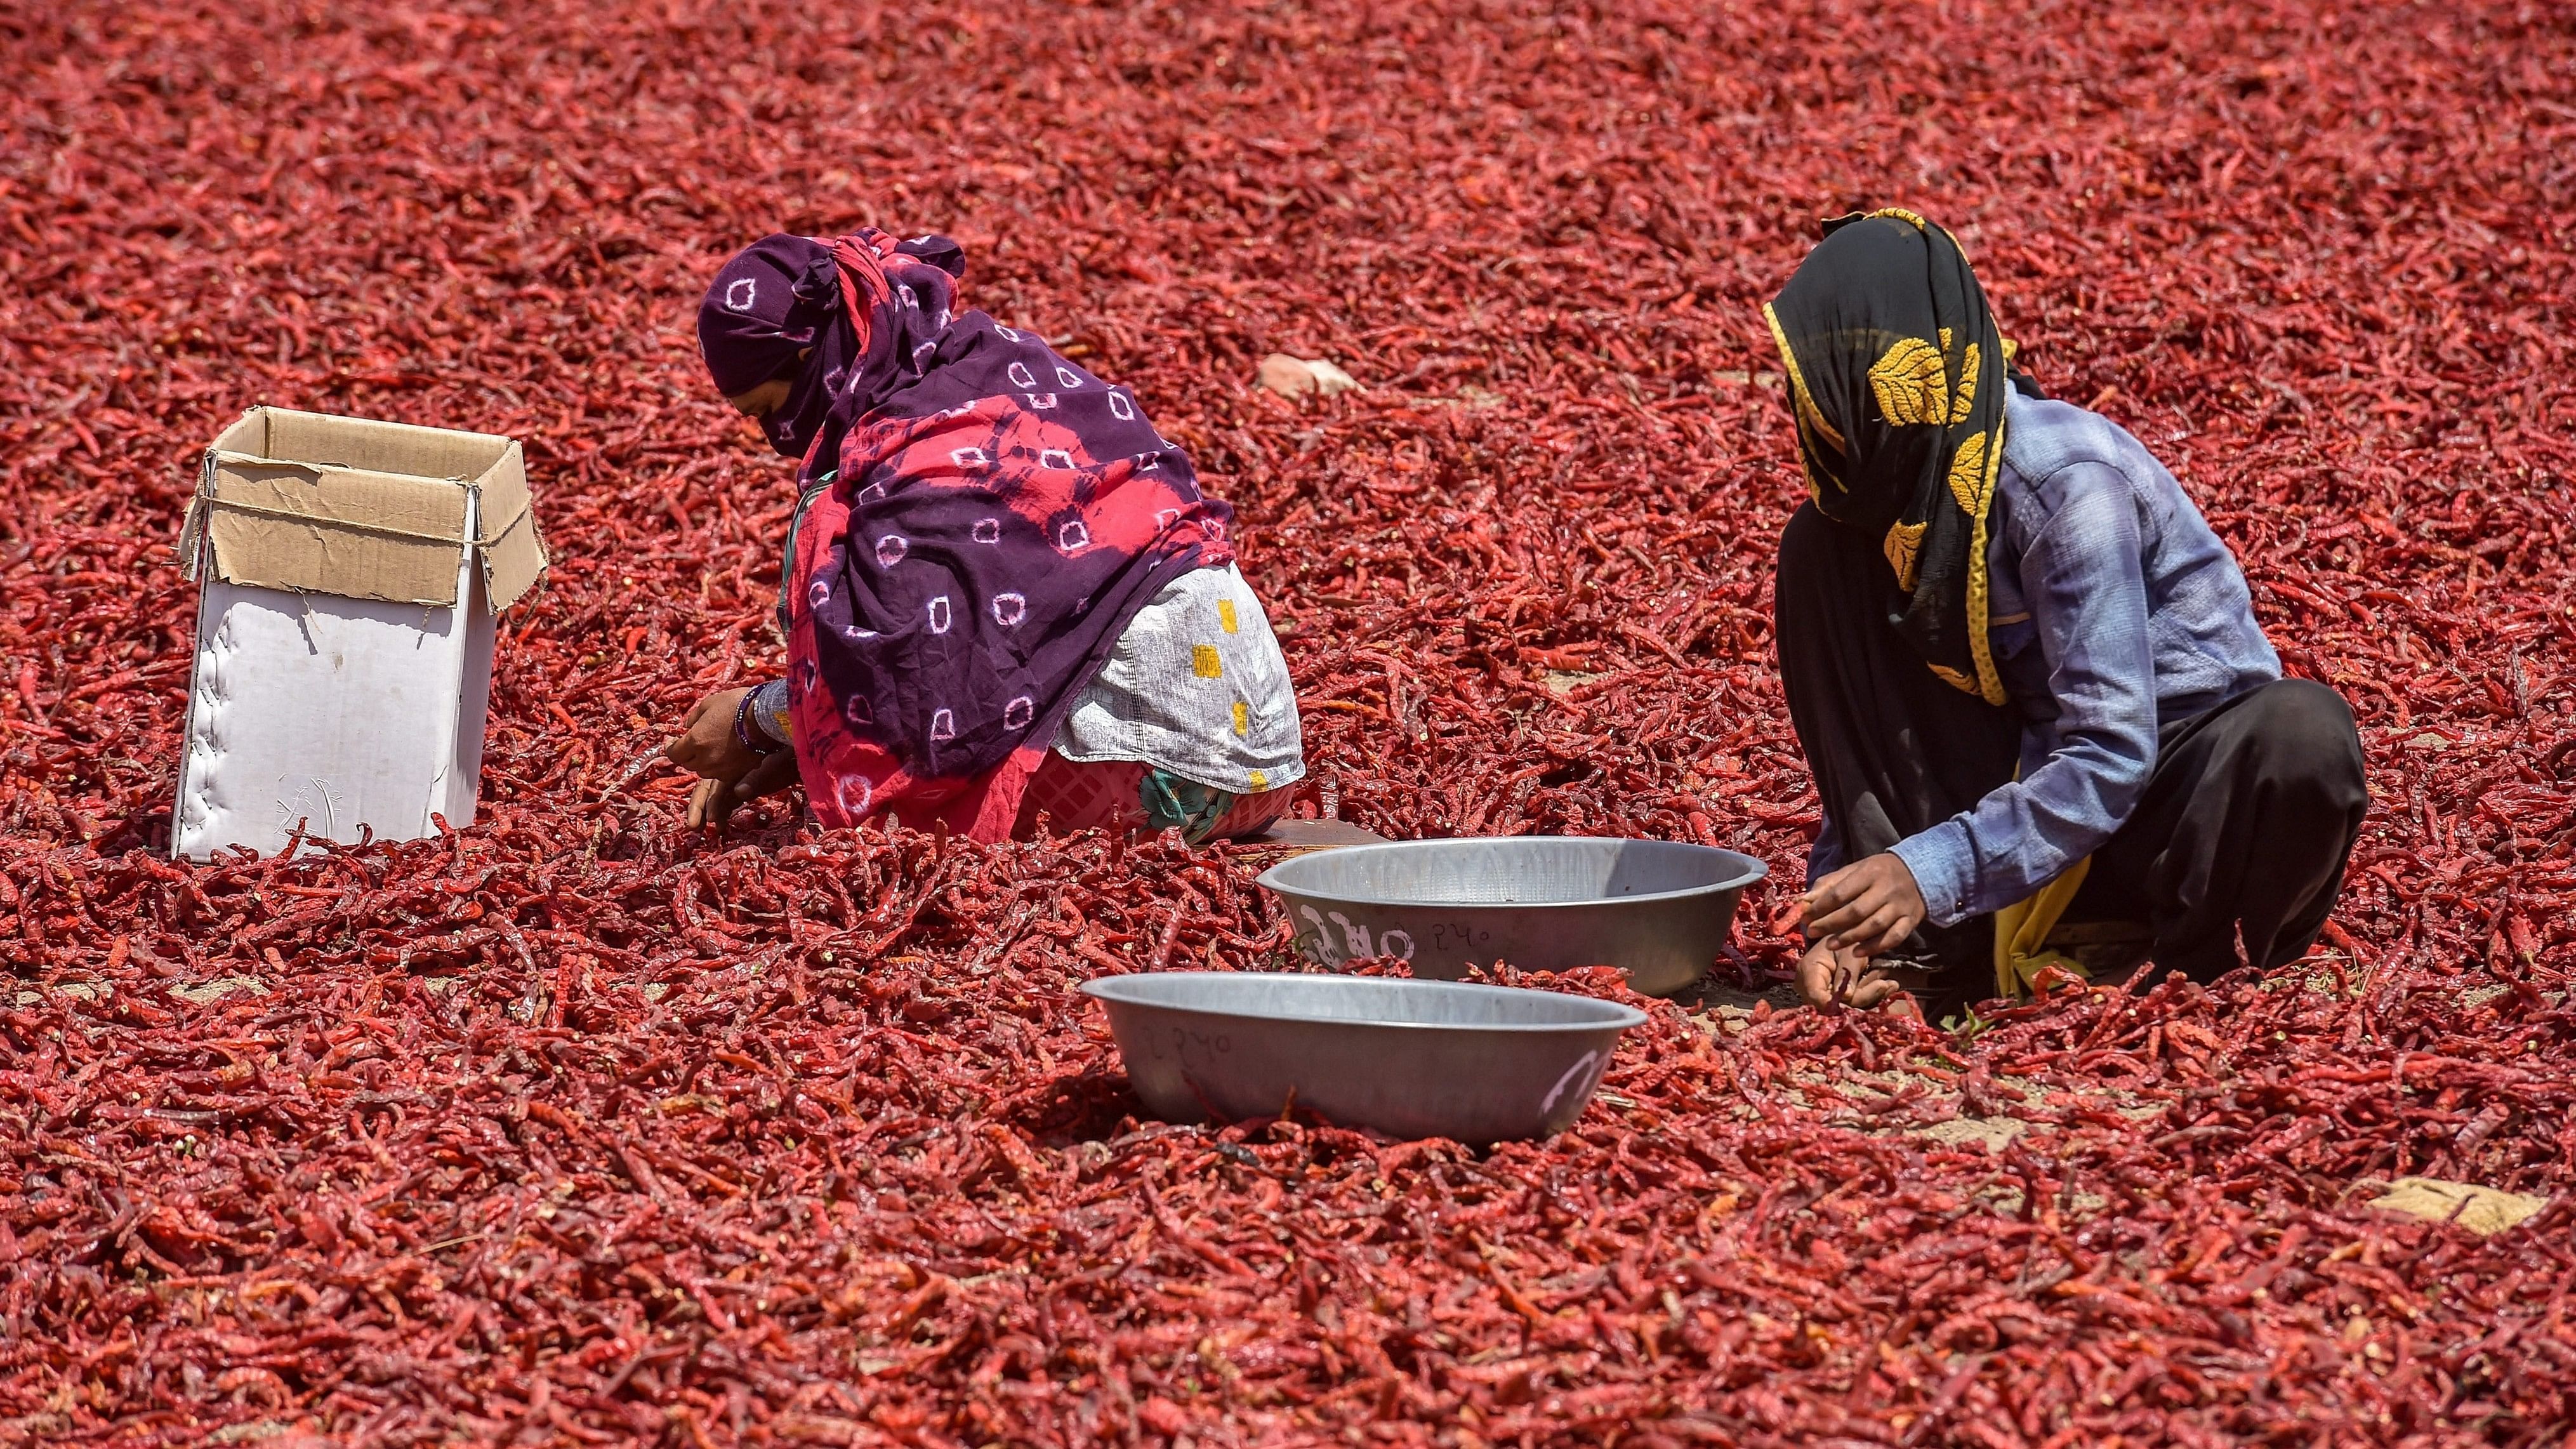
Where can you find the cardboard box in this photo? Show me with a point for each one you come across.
(349, 572)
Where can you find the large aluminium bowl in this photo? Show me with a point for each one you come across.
(1657, 909)
(1410, 1059)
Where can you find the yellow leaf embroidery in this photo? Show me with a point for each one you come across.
(1806, 403)
(1911, 383)
(1903, 544)
(1966, 401)
(1988, 685)
(1968, 473)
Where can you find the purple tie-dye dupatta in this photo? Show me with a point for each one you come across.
(994, 517)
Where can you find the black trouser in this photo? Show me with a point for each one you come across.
(2244, 827)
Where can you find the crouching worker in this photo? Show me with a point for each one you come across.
(1004, 595)
(2024, 671)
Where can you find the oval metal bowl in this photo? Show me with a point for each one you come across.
(1477, 1064)
(1657, 909)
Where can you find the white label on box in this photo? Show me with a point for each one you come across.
(336, 713)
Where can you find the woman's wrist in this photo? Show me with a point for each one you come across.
(751, 724)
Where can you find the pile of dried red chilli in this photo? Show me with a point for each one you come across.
(569, 1128)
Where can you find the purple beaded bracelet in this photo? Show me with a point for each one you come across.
(755, 740)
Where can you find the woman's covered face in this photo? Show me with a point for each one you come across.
(770, 396)
(759, 325)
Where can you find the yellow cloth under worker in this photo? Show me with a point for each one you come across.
(2021, 934)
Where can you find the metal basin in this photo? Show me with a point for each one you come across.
(1657, 909)
(1476, 1064)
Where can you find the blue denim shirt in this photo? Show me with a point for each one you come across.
(2115, 610)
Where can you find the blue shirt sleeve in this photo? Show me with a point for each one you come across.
(2086, 589)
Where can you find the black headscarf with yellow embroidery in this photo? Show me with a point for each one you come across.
(1897, 377)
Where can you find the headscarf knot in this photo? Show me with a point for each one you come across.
(818, 286)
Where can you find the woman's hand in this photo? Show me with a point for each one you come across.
(1867, 908)
(730, 774)
(1830, 976)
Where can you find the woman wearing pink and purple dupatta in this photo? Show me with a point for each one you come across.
(1005, 596)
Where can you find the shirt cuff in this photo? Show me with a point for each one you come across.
(768, 712)
(1945, 870)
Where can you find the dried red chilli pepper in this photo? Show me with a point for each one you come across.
(588, 1125)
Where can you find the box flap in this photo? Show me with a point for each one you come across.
(361, 509)
(514, 553)
(379, 447)
(247, 434)
(357, 534)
